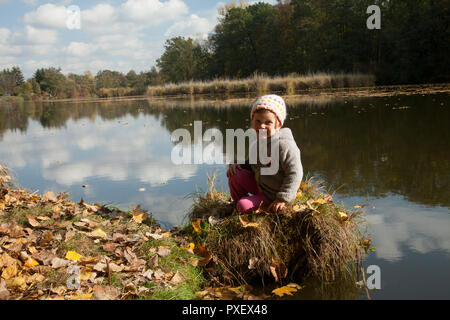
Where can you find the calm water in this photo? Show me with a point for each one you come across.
(391, 152)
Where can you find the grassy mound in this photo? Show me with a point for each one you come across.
(313, 236)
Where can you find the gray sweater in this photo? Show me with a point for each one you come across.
(284, 184)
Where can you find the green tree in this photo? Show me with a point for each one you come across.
(50, 80)
(178, 62)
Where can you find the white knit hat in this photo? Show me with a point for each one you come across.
(272, 103)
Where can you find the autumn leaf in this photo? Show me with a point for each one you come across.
(204, 253)
(196, 225)
(320, 201)
(9, 272)
(15, 282)
(303, 186)
(342, 215)
(86, 296)
(138, 215)
(30, 263)
(299, 194)
(98, 233)
(357, 207)
(284, 290)
(246, 223)
(33, 222)
(73, 256)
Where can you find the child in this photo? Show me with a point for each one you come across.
(276, 190)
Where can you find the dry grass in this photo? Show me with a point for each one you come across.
(261, 84)
(308, 238)
(5, 178)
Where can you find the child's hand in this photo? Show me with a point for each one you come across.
(232, 169)
(277, 205)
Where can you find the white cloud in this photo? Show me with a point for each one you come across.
(194, 26)
(4, 35)
(153, 12)
(41, 36)
(48, 15)
(79, 49)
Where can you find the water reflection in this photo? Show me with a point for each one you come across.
(391, 151)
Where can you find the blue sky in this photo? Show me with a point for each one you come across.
(114, 34)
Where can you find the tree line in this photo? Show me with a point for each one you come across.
(308, 36)
(291, 37)
(51, 83)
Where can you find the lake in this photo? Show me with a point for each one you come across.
(390, 153)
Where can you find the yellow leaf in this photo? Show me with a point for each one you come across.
(196, 226)
(138, 215)
(98, 233)
(15, 282)
(302, 185)
(284, 290)
(85, 275)
(246, 223)
(9, 272)
(320, 201)
(299, 194)
(82, 297)
(30, 263)
(343, 216)
(357, 207)
(72, 255)
(32, 249)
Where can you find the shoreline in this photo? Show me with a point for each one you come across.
(372, 91)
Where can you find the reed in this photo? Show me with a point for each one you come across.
(262, 84)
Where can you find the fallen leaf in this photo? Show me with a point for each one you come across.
(86, 296)
(163, 251)
(357, 207)
(342, 215)
(138, 215)
(176, 279)
(73, 256)
(299, 194)
(284, 290)
(154, 236)
(246, 223)
(320, 201)
(4, 292)
(109, 247)
(58, 263)
(49, 196)
(33, 222)
(204, 253)
(30, 263)
(105, 293)
(153, 261)
(98, 233)
(15, 282)
(196, 225)
(9, 272)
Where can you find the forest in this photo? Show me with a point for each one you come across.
(295, 37)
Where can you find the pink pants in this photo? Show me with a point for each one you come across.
(241, 184)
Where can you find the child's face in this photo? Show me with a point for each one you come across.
(265, 120)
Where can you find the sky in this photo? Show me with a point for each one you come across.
(109, 34)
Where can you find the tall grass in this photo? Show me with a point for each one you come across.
(261, 84)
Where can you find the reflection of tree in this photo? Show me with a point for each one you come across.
(372, 149)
